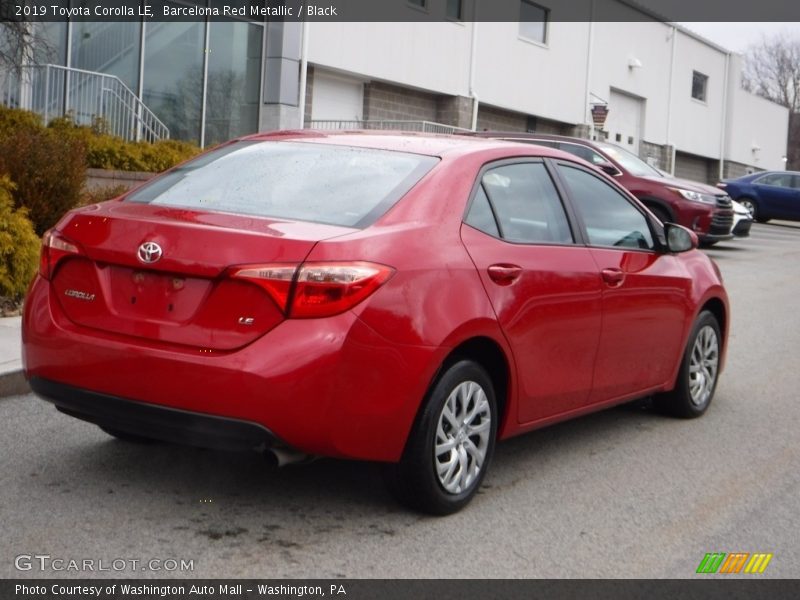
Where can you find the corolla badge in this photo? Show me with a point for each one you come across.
(149, 252)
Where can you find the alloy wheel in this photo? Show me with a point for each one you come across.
(704, 366)
(462, 437)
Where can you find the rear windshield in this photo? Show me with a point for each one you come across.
(339, 185)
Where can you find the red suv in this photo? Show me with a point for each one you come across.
(407, 299)
(704, 209)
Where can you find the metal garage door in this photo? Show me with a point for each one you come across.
(624, 122)
(336, 98)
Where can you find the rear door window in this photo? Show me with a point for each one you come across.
(525, 206)
(339, 185)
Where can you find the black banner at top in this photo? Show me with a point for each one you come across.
(400, 10)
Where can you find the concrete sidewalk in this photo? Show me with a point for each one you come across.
(12, 381)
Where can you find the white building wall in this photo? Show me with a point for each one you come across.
(549, 80)
(697, 126)
(757, 128)
(430, 56)
(615, 47)
(758, 132)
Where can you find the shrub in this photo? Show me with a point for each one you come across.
(12, 120)
(49, 163)
(19, 245)
(102, 194)
(165, 154)
(106, 151)
(49, 170)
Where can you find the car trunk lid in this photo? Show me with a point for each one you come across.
(161, 274)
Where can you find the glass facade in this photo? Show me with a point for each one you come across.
(173, 76)
(202, 79)
(111, 48)
(234, 80)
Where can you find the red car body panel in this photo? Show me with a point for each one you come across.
(350, 385)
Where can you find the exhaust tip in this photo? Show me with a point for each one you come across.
(280, 457)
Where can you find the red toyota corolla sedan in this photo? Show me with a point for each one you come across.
(408, 299)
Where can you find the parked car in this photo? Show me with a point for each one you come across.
(742, 220)
(702, 208)
(767, 195)
(407, 299)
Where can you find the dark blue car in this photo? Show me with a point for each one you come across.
(767, 195)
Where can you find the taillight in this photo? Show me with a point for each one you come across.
(54, 248)
(316, 289)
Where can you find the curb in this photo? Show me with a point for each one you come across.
(13, 383)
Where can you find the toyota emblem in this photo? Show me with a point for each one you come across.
(149, 252)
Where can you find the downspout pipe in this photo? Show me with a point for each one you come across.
(723, 126)
(670, 145)
(301, 101)
(472, 58)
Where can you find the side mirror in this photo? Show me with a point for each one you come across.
(608, 168)
(679, 238)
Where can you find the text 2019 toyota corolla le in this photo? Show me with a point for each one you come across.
(407, 299)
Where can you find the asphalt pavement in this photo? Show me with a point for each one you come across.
(621, 493)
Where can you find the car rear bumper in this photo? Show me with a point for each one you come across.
(154, 421)
(330, 387)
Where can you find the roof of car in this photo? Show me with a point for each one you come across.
(417, 143)
(757, 174)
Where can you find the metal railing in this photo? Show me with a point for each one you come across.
(399, 125)
(89, 98)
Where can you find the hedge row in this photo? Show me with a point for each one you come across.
(19, 245)
(42, 176)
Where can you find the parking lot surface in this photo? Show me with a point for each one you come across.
(621, 493)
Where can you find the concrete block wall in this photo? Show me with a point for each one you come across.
(383, 101)
(498, 119)
(696, 168)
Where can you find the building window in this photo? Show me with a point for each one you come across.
(699, 86)
(533, 20)
(453, 10)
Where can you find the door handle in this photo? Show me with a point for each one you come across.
(504, 274)
(613, 277)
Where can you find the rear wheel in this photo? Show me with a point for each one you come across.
(697, 379)
(451, 444)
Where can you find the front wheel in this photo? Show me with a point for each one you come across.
(751, 207)
(697, 379)
(451, 444)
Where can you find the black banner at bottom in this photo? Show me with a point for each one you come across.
(403, 589)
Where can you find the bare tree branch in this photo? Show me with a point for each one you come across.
(772, 70)
(22, 43)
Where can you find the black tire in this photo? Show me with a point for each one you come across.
(682, 401)
(127, 437)
(415, 480)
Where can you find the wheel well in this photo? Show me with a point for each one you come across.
(658, 206)
(487, 353)
(716, 308)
